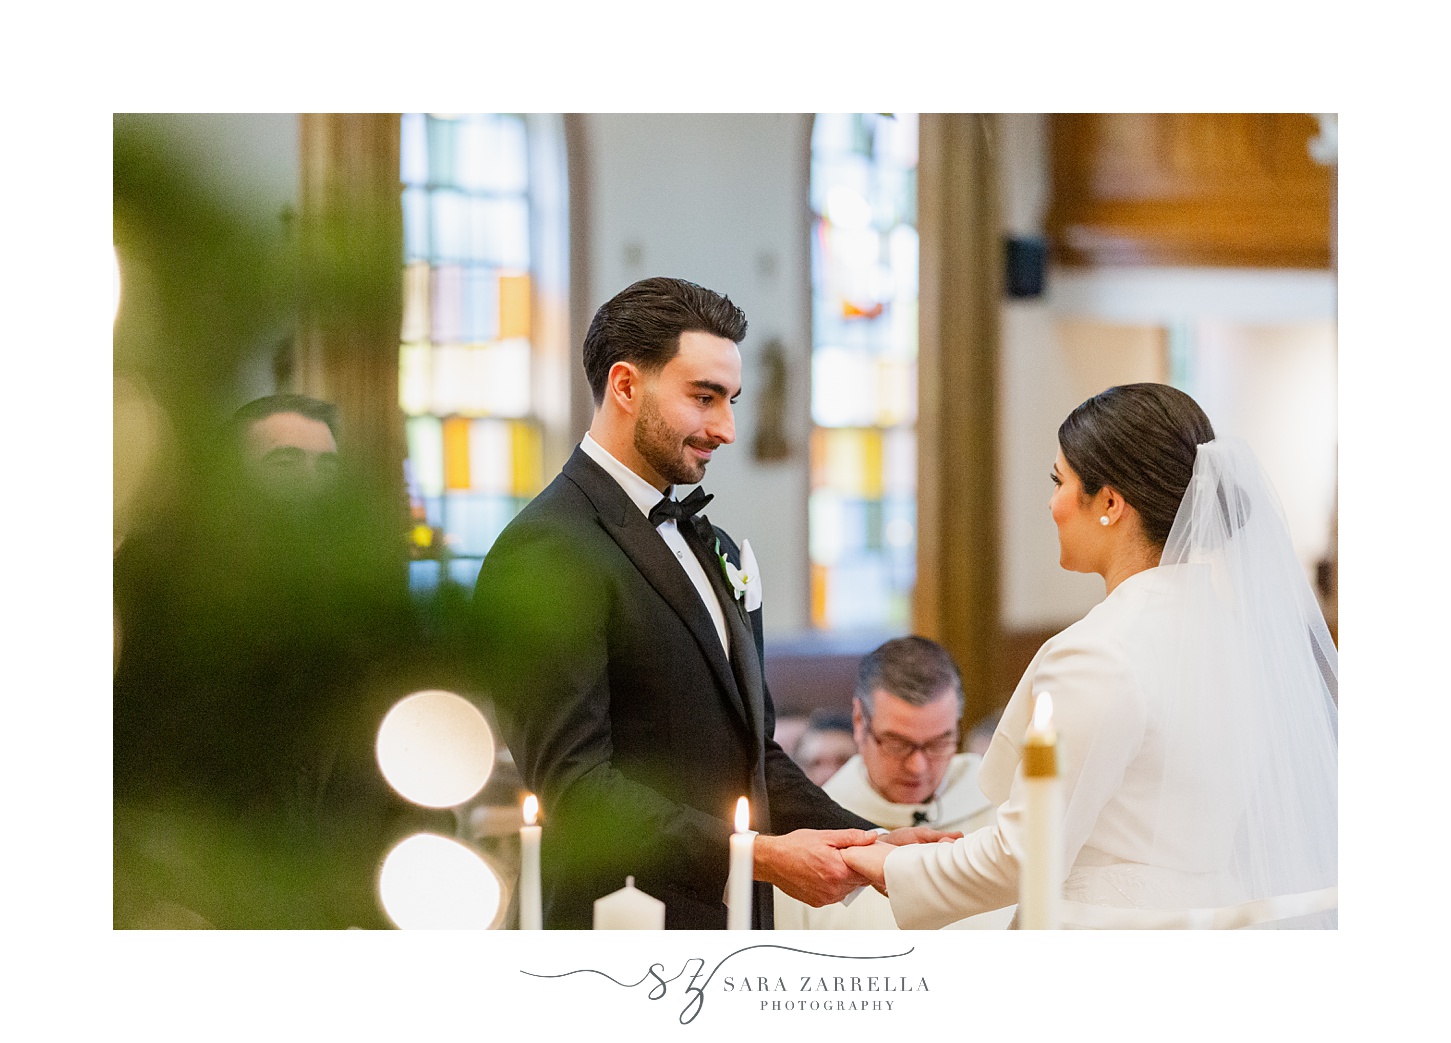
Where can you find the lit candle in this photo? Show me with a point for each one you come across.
(1040, 877)
(629, 909)
(743, 870)
(530, 916)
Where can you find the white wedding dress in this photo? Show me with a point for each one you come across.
(1196, 725)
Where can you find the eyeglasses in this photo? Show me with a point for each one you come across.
(898, 748)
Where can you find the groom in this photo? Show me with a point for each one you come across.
(626, 670)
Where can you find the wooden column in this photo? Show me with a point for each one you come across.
(352, 307)
(956, 598)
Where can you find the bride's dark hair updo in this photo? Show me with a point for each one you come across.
(1140, 439)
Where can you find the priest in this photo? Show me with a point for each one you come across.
(905, 717)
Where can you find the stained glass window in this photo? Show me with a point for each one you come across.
(862, 518)
(465, 358)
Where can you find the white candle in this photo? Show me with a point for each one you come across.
(1040, 876)
(629, 909)
(530, 915)
(742, 871)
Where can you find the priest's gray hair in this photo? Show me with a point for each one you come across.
(915, 669)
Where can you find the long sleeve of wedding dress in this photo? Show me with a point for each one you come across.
(1100, 718)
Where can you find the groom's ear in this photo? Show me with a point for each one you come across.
(624, 383)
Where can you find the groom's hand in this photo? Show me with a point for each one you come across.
(919, 835)
(807, 863)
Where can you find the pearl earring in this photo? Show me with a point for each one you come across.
(1103, 520)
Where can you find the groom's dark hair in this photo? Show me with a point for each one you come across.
(642, 325)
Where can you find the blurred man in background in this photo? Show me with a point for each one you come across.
(289, 444)
(261, 638)
(905, 716)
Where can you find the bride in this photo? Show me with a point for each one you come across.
(1194, 706)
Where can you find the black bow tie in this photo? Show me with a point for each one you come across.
(919, 818)
(680, 510)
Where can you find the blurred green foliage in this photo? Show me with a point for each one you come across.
(204, 281)
(260, 642)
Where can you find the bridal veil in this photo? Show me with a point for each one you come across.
(1250, 708)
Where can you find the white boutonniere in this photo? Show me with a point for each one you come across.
(745, 581)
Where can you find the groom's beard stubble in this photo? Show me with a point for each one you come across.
(663, 448)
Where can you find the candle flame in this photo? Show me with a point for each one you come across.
(743, 815)
(1043, 714)
(531, 809)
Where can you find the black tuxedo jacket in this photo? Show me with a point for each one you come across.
(622, 710)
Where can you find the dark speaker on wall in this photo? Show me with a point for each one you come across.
(1027, 259)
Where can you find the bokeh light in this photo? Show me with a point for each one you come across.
(429, 882)
(115, 285)
(435, 748)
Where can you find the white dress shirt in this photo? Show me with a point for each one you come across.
(645, 496)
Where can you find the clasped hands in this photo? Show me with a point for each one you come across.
(822, 866)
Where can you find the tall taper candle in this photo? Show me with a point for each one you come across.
(1040, 875)
(743, 870)
(530, 915)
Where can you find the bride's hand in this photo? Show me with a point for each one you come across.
(919, 835)
(870, 862)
